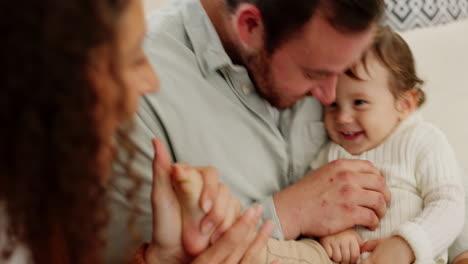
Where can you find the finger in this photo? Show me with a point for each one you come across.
(161, 155)
(166, 210)
(345, 252)
(252, 253)
(372, 200)
(336, 251)
(369, 246)
(326, 245)
(233, 238)
(354, 251)
(376, 182)
(229, 219)
(240, 250)
(364, 216)
(368, 176)
(216, 216)
(161, 167)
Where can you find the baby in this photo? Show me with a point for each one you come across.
(374, 118)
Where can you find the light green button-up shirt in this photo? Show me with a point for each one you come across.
(208, 113)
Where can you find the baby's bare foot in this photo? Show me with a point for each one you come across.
(188, 184)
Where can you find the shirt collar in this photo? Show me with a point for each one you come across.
(206, 43)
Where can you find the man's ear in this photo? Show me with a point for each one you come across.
(249, 26)
(407, 103)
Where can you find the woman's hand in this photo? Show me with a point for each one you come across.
(166, 244)
(238, 244)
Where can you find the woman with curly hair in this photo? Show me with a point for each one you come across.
(74, 70)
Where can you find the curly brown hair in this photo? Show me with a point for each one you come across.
(50, 177)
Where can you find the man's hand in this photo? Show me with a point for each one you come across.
(335, 197)
(388, 251)
(343, 247)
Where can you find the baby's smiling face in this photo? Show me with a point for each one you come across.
(365, 112)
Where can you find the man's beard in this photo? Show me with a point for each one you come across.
(259, 67)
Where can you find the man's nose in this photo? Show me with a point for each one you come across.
(325, 90)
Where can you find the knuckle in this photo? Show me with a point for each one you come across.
(381, 201)
(345, 176)
(381, 183)
(337, 163)
(368, 163)
(348, 207)
(346, 191)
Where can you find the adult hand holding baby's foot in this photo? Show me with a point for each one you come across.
(240, 243)
(202, 221)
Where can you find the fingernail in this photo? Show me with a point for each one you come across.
(206, 206)
(207, 227)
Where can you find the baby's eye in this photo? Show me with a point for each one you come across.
(359, 102)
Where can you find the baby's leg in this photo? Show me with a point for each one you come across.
(188, 184)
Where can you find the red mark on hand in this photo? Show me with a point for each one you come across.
(324, 203)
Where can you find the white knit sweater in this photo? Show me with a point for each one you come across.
(427, 206)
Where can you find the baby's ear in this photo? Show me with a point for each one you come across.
(407, 103)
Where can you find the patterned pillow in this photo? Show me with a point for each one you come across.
(403, 15)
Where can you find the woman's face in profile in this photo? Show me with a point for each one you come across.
(136, 72)
(135, 76)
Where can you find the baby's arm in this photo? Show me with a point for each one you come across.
(343, 247)
(439, 182)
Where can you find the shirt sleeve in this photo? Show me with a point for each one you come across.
(461, 243)
(442, 218)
